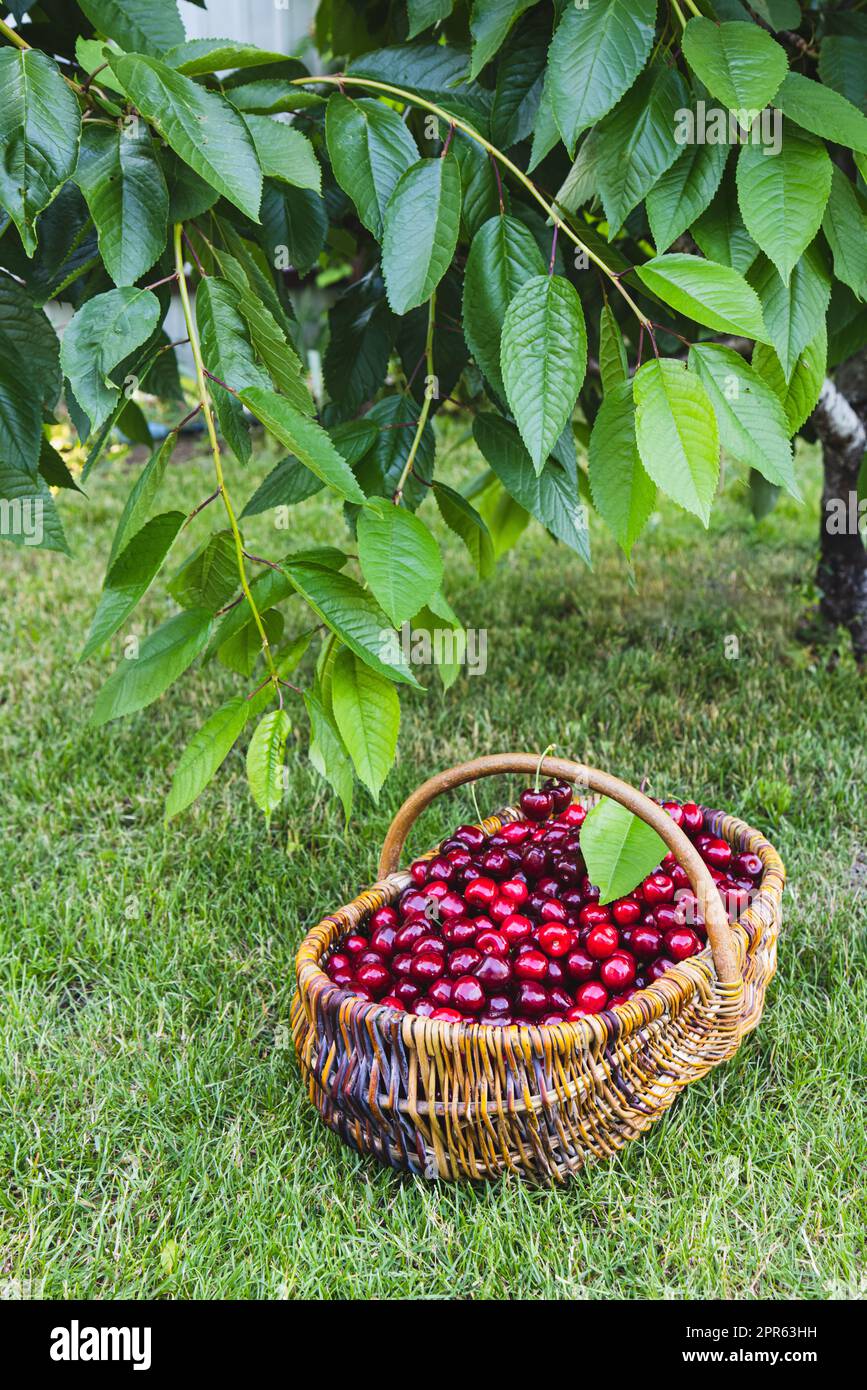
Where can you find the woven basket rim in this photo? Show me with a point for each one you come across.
(665, 996)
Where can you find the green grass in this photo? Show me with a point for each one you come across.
(155, 1138)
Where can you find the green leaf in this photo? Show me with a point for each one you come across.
(490, 23)
(684, 191)
(800, 393)
(504, 254)
(795, 313)
(308, 441)
(543, 358)
(197, 57)
(677, 435)
(739, 63)
(141, 496)
(520, 80)
(841, 67)
(752, 423)
(122, 182)
(360, 343)
(265, 755)
(763, 495)
(284, 153)
(40, 125)
(596, 54)
(294, 223)
(448, 642)
(269, 587)
(720, 231)
(352, 613)
(465, 521)
(161, 659)
(845, 226)
(205, 753)
(209, 578)
(327, 753)
(54, 469)
(399, 558)
(130, 576)
(712, 294)
(613, 366)
(228, 353)
(635, 144)
(199, 125)
(782, 196)
(822, 111)
(369, 147)
(551, 496)
(423, 13)
(139, 26)
(479, 189)
(267, 332)
(623, 494)
(104, 331)
(505, 518)
(367, 713)
(396, 418)
(619, 849)
(290, 482)
(30, 376)
(243, 649)
(422, 221)
(32, 520)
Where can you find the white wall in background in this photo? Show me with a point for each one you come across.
(275, 24)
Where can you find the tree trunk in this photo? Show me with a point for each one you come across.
(842, 572)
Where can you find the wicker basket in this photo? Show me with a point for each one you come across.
(457, 1100)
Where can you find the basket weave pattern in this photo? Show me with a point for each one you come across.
(451, 1100)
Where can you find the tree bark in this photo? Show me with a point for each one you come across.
(839, 421)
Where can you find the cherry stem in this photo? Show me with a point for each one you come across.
(553, 249)
(425, 407)
(549, 749)
(155, 284)
(448, 140)
(195, 255)
(499, 182)
(192, 415)
(202, 505)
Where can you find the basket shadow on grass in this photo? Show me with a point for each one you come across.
(155, 1138)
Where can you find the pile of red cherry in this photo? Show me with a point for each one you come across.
(509, 929)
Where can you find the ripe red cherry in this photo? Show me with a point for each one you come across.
(354, 945)
(413, 900)
(665, 916)
(679, 877)
(496, 1020)
(493, 974)
(675, 810)
(392, 1002)
(492, 943)
(407, 992)
(561, 793)
(680, 943)
(401, 965)
(452, 905)
(446, 1015)
(534, 860)
(424, 1008)
(593, 915)
(646, 942)
(384, 917)
(482, 892)
(693, 820)
(430, 946)
(623, 997)
(418, 870)
(434, 892)
(573, 815)
(556, 972)
(461, 858)
(560, 998)
(496, 863)
(440, 993)
(580, 965)
(500, 909)
(718, 854)
(602, 941)
(548, 1019)
(344, 978)
(516, 832)
(749, 865)
(468, 995)
(659, 967)
(626, 912)
(369, 958)
(514, 891)
(590, 998)
(426, 969)
(441, 870)
(499, 1004)
(536, 805)
(375, 977)
(531, 965)
(460, 931)
(516, 928)
(657, 888)
(554, 939)
(618, 971)
(339, 961)
(532, 999)
(471, 836)
(464, 961)
(382, 940)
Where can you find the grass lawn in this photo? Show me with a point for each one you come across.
(155, 1138)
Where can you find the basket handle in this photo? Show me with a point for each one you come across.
(719, 932)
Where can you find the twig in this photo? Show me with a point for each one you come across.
(425, 407)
